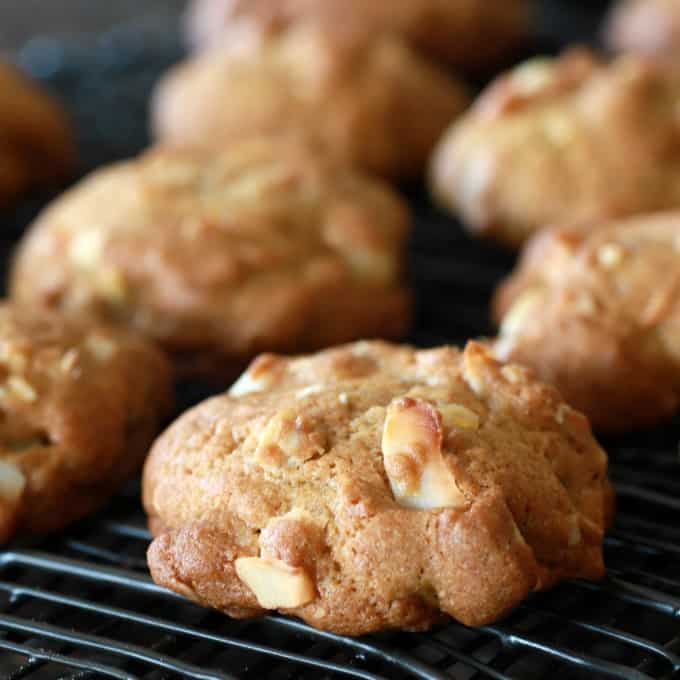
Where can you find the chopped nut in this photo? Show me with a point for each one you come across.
(86, 248)
(519, 314)
(14, 359)
(21, 388)
(100, 347)
(68, 360)
(457, 415)
(343, 398)
(288, 440)
(12, 482)
(246, 385)
(559, 129)
(610, 255)
(275, 584)
(258, 377)
(412, 453)
(111, 283)
(251, 185)
(306, 391)
(533, 75)
(514, 374)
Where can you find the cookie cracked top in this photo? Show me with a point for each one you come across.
(595, 310)
(80, 405)
(376, 486)
(269, 245)
(562, 141)
(374, 103)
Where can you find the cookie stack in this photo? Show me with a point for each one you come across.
(368, 485)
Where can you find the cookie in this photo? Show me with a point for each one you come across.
(646, 26)
(373, 103)
(36, 146)
(466, 34)
(597, 313)
(80, 406)
(374, 486)
(563, 141)
(270, 245)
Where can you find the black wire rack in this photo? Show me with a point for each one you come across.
(81, 604)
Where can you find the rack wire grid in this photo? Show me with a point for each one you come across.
(81, 604)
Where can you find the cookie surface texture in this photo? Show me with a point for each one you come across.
(80, 406)
(561, 142)
(374, 103)
(268, 246)
(374, 486)
(597, 313)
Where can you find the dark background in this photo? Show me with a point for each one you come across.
(22, 19)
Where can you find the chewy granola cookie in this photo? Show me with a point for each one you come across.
(375, 486)
(374, 103)
(561, 141)
(269, 245)
(647, 26)
(36, 146)
(79, 408)
(597, 313)
(468, 34)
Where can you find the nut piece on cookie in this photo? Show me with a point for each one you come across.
(414, 462)
(37, 146)
(467, 34)
(344, 91)
(374, 486)
(270, 245)
(76, 425)
(563, 141)
(275, 584)
(646, 26)
(596, 312)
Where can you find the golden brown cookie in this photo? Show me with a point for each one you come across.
(373, 103)
(467, 34)
(647, 26)
(563, 141)
(597, 313)
(79, 408)
(375, 486)
(270, 245)
(36, 146)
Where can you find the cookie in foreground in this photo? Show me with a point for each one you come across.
(561, 141)
(80, 407)
(267, 246)
(375, 486)
(374, 103)
(466, 34)
(595, 310)
(36, 143)
(646, 26)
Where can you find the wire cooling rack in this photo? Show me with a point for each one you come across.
(81, 605)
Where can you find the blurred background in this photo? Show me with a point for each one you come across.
(22, 19)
